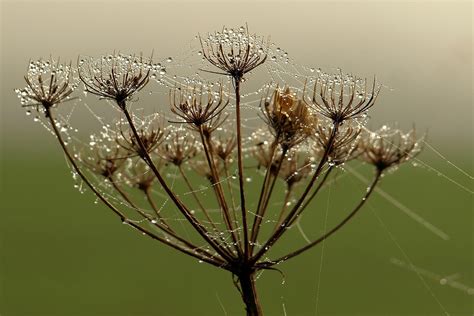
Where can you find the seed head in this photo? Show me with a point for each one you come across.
(105, 162)
(151, 135)
(198, 106)
(294, 168)
(344, 147)
(388, 148)
(287, 117)
(201, 167)
(140, 176)
(115, 77)
(48, 83)
(342, 97)
(223, 147)
(234, 51)
(178, 147)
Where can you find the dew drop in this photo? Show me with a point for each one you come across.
(169, 59)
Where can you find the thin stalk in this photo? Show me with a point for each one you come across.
(163, 225)
(155, 208)
(338, 226)
(283, 208)
(281, 230)
(231, 192)
(218, 190)
(313, 195)
(272, 186)
(52, 122)
(264, 206)
(191, 251)
(122, 193)
(181, 207)
(138, 210)
(203, 209)
(243, 208)
(193, 193)
(263, 191)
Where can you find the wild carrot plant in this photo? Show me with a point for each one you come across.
(306, 132)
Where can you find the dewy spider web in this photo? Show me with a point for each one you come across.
(187, 71)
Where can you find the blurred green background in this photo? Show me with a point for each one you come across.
(63, 255)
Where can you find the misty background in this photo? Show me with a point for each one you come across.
(62, 255)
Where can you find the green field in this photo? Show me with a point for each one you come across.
(64, 255)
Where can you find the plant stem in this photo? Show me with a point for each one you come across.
(249, 294)
(225, 254)
(218, 189)
(281, 230)
(338, 226)
(266, 198)
(192, 251)
(243, 209)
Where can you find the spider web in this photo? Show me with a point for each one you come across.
(189, 69)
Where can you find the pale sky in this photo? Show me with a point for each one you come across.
(421, 49)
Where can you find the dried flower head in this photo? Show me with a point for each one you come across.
(178, 147)
(234, 51)
(201, 167)
(140, 176)
(224, 147)
(342, 97)
(105, 161)
(343, 148)
(287, 117)
(388, 148)
(198, 106)
(150, 135)
(48, 83)
(295, 168)
(116, 77)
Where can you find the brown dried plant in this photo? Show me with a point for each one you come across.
(304, 138)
